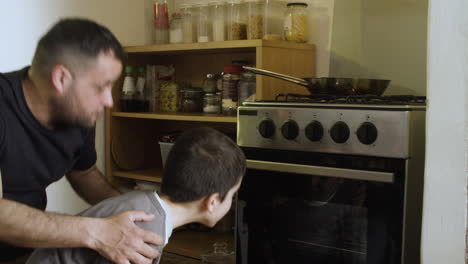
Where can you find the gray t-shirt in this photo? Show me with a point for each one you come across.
(135, 200)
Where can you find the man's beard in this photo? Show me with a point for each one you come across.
(66, 113)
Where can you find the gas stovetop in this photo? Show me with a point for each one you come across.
(356, 101)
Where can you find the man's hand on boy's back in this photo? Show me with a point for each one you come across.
(120, 240)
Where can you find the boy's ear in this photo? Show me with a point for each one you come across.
(211, 202)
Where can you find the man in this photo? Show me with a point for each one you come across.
(47, 128)
(203, 172)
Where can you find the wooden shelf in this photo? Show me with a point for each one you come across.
(152, 175)
(198, 117)
(230, 44)
(193, 244)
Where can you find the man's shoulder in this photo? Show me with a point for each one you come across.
(10, 81)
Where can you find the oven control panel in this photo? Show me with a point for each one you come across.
(372, 132)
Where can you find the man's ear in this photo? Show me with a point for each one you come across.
(211, 202)
(61, 78)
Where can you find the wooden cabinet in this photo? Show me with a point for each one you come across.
(132, 149)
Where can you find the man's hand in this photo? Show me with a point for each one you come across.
(118, 239)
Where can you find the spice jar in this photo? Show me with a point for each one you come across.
(296, 22)
(237, 21)
(255, 11)
(247, 87)
(212, 103)
(175, 29)
(191, 100)
(169, 96)
(231, 79)
(273, 20)
(204, 23)
(210, 83)
(161, 22)
(218, 9)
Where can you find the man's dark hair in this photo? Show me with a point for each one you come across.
(76, 37)
(202, 161)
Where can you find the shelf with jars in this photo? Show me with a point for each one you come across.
(132, 148)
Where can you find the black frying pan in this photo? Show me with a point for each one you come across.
(331, 85)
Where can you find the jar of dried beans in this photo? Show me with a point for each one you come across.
(255, 19)
(237, 21)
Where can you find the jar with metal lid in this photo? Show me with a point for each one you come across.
(231, 79)
(296, 22)
(237, 21)
(255, 19)
(212, 103)
(273, 20)
(210, 84)
(191, 100)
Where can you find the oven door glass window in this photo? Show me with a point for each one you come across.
(303, 218)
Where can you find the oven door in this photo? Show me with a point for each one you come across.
(331, 209)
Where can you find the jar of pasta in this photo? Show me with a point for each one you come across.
(296, 28)
(169, 96)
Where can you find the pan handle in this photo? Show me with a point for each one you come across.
(277, 75)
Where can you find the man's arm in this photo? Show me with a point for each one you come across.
(117, 238)
(91, 185)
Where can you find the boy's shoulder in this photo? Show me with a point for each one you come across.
(134, 200)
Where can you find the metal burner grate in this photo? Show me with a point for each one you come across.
(352, 99)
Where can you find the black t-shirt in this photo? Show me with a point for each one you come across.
(31, 155)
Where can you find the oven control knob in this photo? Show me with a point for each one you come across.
(290, 129)
(340, 132)
(314, 131)
(367, 133)
(267, 128)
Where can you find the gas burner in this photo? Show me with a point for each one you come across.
(352, 99)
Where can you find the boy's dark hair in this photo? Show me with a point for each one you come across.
(202, 161)
(77, 38)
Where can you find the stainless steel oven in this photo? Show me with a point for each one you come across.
(331, 182)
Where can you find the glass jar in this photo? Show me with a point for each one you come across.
(161, 22)
(247, 87)
(220, 255)
(188, 35)
(218, 9)
(204, 23)
(231, 79)
(169, 96)
(255, 18)
(237, 21)
(212, 103)
(191, 100)
(296, 22)
(210, 83)
(273, 23)
(175, 29)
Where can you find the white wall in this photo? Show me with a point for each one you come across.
(383, 39)
(23, 22)
(445, 195)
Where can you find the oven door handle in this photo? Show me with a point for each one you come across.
(365, 175)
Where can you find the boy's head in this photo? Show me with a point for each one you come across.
(204, 164)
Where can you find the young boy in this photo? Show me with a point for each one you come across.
(203, 171)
